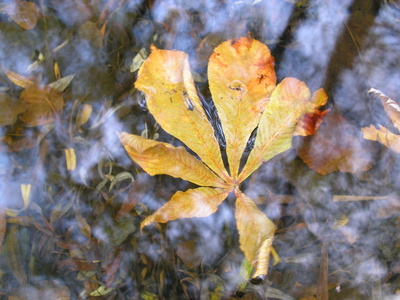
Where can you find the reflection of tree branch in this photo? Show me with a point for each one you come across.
(362, 17)
(287, 35)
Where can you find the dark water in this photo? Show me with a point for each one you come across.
(78, 235)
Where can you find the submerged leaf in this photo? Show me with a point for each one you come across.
(289, 101)
(242, 77)
(337, 146)
(162, 158)
(200, 202)
(24, 13)
(43, 103)
(19, 80)
(256, 233)
(172, 99)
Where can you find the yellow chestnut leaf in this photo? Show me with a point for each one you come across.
(242, 83)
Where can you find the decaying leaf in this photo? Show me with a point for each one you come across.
(243, 85)
(42, 104)
(337, 146)
(13, 144)
(382, 134)
(24, 13)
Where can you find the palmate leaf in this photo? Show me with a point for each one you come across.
(242, 82)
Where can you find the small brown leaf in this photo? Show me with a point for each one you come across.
(43, 103)
(19, 80)
(336, 146)
(187, 251)
(24, 13)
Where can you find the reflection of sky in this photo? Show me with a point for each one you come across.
(314, 41)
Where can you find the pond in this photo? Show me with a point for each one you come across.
(317, 213)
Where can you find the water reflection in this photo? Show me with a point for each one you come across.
(82, 228)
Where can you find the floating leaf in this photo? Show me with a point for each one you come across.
(24, 13)
(43, 103)
(242, 83)
(337, 146)
(382, 134)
